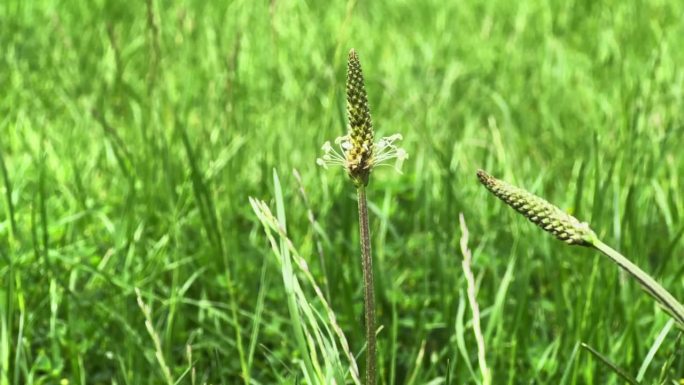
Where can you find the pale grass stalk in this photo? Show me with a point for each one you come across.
(314, 225)
(472, 299)
(270, 222)
(191, 365)
(158, 352)
(418, 363)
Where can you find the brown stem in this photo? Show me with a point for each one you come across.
(368, 292)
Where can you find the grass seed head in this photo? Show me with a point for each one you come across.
(539, 211)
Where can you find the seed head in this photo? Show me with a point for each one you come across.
(540, 212)
(360, 155)
(357, 153)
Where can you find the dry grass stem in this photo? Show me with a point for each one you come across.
(472, 299)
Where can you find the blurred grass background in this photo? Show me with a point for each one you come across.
(133, 133)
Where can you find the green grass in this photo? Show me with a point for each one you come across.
(132, 135)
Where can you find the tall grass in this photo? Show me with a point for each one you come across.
(122, 174)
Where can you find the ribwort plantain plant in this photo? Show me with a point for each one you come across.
(570, 230)
(359, 154)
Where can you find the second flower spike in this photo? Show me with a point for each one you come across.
(540, 212)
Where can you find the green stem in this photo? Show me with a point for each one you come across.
(668, 302)
(368, 292)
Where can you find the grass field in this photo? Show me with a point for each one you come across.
(132, 135)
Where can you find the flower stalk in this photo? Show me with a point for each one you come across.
(359, 163)
(571, 231)
(358, 154)
(368, 286)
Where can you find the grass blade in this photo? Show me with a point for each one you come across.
(624, 375)
(654, 349)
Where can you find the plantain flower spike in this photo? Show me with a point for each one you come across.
(356, 151)
(540, 212)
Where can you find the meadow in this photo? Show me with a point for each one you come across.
(133, 135)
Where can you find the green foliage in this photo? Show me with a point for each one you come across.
(133, 133)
